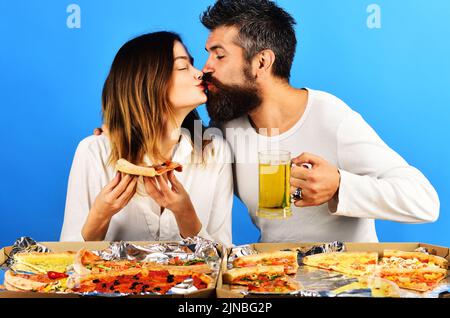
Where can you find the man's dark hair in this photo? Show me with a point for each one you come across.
(261, 24)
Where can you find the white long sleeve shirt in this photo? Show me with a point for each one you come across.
(210, 187)
(376, 182)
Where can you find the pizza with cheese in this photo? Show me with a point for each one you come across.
(288, 259)
(350, 263)
(413, 270)
(414, 259)
(140, 281)
(87, 262)
(35, 262)
(379, 287)
(131, 281)
(268, 279)
(52, 281)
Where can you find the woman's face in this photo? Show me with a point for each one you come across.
(186, 89)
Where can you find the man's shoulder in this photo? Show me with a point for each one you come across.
(327, 111)
(328, 101)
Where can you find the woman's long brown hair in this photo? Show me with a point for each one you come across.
(135, 102)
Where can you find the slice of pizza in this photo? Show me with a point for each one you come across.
(86, 262)
(196, 265)
(35, 282)
(323, 260)
(413, 270)
(419, 279)
(139, 281)
(125, 166)
(350, 263)
(288, 259)
(271, 279)
(279, 286)
(414, 259)
(35, 262)
(379, 287)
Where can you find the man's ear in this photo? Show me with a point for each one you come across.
(263, 63)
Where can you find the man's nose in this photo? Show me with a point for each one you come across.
(198, 75)
(207, 68)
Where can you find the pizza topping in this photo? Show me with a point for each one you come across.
(56, 275)
(273, 286)
(177, 261)
(409, 263)
(194, 262)
(158, 281)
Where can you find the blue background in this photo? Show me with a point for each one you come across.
(51, 76)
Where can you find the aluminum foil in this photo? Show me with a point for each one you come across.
(25, 244)
(186, 250)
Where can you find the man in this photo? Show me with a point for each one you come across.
(352, 176)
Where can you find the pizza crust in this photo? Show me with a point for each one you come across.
(125, 166)
(21, 283)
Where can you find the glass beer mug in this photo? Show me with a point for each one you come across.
(274, 186)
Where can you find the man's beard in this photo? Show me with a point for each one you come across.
(227, 102)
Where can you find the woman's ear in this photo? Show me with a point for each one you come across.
(263, 63)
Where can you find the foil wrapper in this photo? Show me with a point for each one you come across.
(25, 244)
(189, 249)
(319, 280)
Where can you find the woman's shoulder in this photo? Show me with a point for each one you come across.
(94, 146)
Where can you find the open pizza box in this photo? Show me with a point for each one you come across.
(224, 290)
(75, 246)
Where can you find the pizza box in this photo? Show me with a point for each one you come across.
(224, 291)
(75, 246)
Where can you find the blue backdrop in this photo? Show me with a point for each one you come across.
(389, 60)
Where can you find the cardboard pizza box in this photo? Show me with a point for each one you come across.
(224, 291)
(75, 246)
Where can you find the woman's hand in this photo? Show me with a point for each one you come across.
(113, 198)
(176, 199)
(115, 195)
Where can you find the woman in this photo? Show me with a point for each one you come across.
(148, 104)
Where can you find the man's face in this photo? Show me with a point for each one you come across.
(232, 89)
